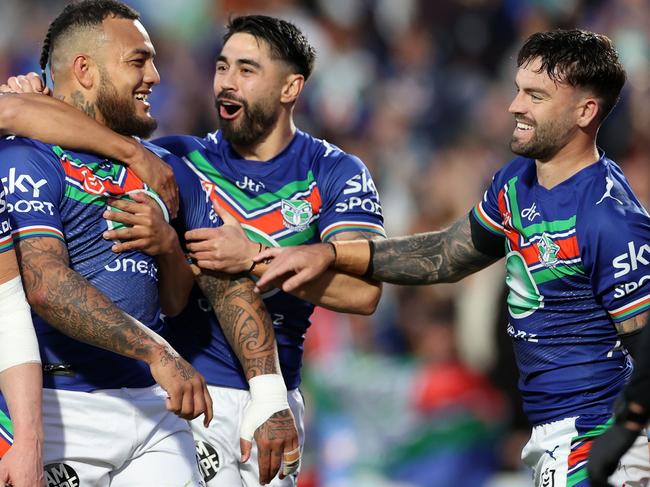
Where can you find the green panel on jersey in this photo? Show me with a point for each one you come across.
(530, 230)
(5, 422)
(248, 203)
(523, 297)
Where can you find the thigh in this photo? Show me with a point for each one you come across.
(217, 446)
(171, 462)
(84, 439)
(249, 470)
(164, 454)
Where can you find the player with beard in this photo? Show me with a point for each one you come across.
(285, 188)
(104, 422)
(573, 236)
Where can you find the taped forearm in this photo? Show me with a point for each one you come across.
(353, 256)
(18, 343)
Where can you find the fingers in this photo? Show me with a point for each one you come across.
(209, 412)
(291, 459)
(227, 218)
(142, 205)
(30, 83)
(36, 82)
(201, 234)
(264, 455)
(246, 448)
(270, 275)
(268, 253)
(173, 402)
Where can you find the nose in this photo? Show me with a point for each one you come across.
(151, 75)
(224, 80)
(516, 106)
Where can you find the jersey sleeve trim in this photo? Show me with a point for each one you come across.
(339, 227)
(486, 222)
(6, 243)
(632, 309)
(37, 231)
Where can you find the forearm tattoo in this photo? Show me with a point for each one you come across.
(427, 258)
(244, 320)
(71, 304)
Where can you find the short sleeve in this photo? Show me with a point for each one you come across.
(350, 199)
(486, 213)
(6, 242)
(615, 250)
(34, 187)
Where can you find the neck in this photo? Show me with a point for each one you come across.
(571, 159)
(274, 143)
(78, 99)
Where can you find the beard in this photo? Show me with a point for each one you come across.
(252, 126)
(548, 139)
(119, 112)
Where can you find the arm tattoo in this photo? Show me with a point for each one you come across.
(79, 101)
(427, 258)
(75, 307)
(633, 324)
(244, 320)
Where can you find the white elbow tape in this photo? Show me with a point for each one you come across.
(18, 343)
(268, 396)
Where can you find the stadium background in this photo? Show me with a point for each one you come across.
(422, 393)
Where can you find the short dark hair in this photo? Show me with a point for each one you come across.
(285, 40)
(579, 58)
(87, 13)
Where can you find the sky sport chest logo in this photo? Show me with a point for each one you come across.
(296, 214)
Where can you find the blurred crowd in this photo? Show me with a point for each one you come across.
(422, 393)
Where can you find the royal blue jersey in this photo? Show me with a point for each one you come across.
(309, 192)
(577, 262)
(6, 242)
(63, 194)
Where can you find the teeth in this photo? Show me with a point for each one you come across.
(141, 96)
(524, 126)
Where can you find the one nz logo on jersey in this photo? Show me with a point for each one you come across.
(296, 214)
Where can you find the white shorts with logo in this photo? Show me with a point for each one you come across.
(218, 448)
(117, 438)
(558, 456)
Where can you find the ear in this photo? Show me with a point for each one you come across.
(588, 111)
(292, 88)
(83, 70)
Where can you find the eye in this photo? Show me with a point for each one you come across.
(246, 70)
(535, 97)
(222, 68)
(138, 62)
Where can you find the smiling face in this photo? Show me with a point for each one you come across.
(247, 88)
(126, 78)
(545, 111)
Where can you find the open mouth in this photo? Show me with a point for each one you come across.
(143, 98)
(229, 110)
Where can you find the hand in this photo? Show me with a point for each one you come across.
(224, 249)
(277, 445)
(186, 388)
(606, 453)
(157, 174)
(307, 262)
(269, 420)
(147, 229)
(29, 83)
(22, 465)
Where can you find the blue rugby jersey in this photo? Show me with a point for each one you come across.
(309, 192)
(62, 194)
(577, 261)
(6, 242)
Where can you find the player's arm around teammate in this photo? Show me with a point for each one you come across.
(20, 379)
(227, 249)
(26, 112)
(75, 307)
(441, 256)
